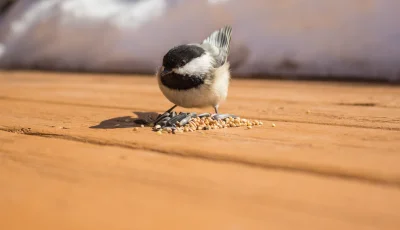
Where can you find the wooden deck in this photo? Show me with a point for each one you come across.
(70, 159)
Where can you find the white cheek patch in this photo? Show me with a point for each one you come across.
(198, 66)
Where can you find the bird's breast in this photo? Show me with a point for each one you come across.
(181, 82)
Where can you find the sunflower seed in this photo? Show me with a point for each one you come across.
(160, 117)
(162, 123)
(173, 120)
(204, 115)
(223, 116)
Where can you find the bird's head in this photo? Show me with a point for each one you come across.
(186, 60)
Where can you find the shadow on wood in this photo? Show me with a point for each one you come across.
(142, 118)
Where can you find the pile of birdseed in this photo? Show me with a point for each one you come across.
(190, 122)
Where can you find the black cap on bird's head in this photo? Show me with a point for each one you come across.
(180, 55)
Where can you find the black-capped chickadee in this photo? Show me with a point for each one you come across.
(197, 75)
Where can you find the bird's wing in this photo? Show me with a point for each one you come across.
(217, 44)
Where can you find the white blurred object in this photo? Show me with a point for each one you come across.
(304, 37)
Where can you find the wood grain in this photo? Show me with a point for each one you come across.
(331, 162)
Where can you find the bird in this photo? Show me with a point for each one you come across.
(197, 75)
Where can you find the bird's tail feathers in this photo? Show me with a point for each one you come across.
(220, 38)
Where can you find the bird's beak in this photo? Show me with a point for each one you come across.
(165, 72)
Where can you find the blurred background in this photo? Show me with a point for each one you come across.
(335, 39)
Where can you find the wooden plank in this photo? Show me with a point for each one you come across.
(48, 183)
(359, 148)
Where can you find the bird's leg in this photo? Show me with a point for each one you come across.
(170, 110)
(216, 116)
(216, 109)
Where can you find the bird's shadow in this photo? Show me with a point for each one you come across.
(142, 118)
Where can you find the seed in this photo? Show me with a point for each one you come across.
(190, 122)
(116, 125)
(159, 132)
(204, 115)
(179, 118)
(135, 129)
(273, 125)
(162, 123)
(142, 126)
(161, 116)
(185, 120)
